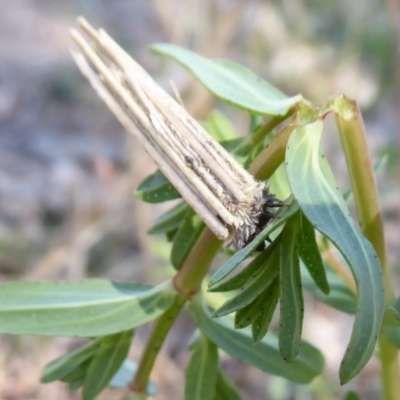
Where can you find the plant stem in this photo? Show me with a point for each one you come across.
(273, 155)
(359, 165)
(153, 346)
(263, 131)
(361, 172)
(389, 368)
(188, 280)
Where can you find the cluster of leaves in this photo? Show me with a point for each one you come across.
(317, 204)
(109, 312)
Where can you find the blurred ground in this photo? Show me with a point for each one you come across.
(68, 170)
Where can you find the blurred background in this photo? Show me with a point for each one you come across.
(68, 170)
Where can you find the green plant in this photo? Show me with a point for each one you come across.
(286, 151)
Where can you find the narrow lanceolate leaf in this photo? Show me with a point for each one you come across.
(256, 309)
(108, 358)
(170, 220)
(185, 238)
(59, 368)
(232, 82)
(74, 386)
(282, 216)
(237, 281)
(253, 287)
(309, 253)
(247, 273)
(313, 186)
(76, 377)
(270, 297)
(291, 302)
(224, 389)
(156, 189)
(252, 270)
(201, 372)
(263, 355)
(86, 308)
(246, 315)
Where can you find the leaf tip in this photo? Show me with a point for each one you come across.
(346, 373)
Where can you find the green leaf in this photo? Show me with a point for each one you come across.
(201, 372)
(156, 188)
(184, 240)
(270, 297)
(237, 281)
(64, 365)
(77, 375)
(252, 270)
(340, 295)
(232, 82)
(170, 220)
(76, 385)
(86, 308)
(107, 360)
(309, 252)
(224, 389)
(255, 285)
(248, 314)
(170, 235)
(219, 127)
(352, 395)
(291, 302)
(285, 212)
(263, 355)
(313, 186)
(124, 376)
(245, 316)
